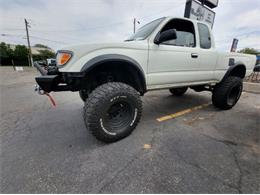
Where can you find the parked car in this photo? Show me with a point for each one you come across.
(51, 62)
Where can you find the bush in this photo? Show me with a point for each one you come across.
(20, 54)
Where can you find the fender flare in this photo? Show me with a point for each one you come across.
(232, 67)
(94, 62)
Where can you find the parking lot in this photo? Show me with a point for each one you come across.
(182, 145)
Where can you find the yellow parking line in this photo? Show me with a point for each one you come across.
(183, 112)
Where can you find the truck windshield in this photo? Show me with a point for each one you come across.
(146, 30)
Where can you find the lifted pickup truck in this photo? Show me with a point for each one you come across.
(167, 53)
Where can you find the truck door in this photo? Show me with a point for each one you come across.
(175, 61)
(207, 53)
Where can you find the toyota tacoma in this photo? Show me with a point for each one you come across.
(167, 53)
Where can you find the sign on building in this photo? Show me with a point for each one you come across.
(234, 45)
(210, 3)
(196, 11)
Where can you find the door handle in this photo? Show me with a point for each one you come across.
(194, 55)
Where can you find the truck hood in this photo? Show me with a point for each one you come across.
(85, 52)
(83, 49)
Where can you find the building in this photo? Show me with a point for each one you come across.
(35, 50)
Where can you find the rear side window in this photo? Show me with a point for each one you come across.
(205, 41)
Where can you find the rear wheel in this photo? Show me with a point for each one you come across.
(113, 110)
(178, 91)
(227, 93)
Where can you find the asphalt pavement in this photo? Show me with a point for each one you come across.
(49, 150)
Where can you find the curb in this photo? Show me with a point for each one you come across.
(251, 87)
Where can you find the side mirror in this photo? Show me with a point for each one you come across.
(166, 36)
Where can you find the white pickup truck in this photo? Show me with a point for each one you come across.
(167, 53)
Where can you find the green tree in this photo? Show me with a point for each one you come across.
(249, 51)
(6, 54)
(21, 52)
(5, 50)
(21, 55)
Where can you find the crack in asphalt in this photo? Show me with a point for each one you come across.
(230, 143)
(121, 170)
(111, 177)
(204, 170)
(154, 134)
(239, 182)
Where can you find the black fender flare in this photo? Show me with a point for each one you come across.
(233, 67)
(94, 62)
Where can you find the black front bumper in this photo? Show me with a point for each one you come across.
(50, 83)
(53, 80)
(47, 82)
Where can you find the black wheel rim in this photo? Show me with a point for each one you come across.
(233, 95)
(118, 117)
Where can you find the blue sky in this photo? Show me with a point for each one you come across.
(63, 22)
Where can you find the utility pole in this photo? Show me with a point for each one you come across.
(134, 24)
(28, 41)
(135, 21)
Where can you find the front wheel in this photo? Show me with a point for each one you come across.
(113, 110)
(178, 91)
(227, 93)
(83, 94)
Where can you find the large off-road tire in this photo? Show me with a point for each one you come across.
(83, 95)
(227, 93)
(178, 91)
(112, 111)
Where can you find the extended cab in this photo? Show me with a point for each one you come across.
(167, 53)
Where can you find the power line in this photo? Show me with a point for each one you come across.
(85, 29)
(104, 25)
(11, 35)
(62, 36)
(239, 35)
(48, 40)
(13, 29)
(32, 36)
(77, 30)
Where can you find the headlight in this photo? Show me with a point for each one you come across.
(63, 57)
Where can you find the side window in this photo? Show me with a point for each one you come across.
(204, 34)
(185, 33)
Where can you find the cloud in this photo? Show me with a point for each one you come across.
(249, 19)
(61, 22)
